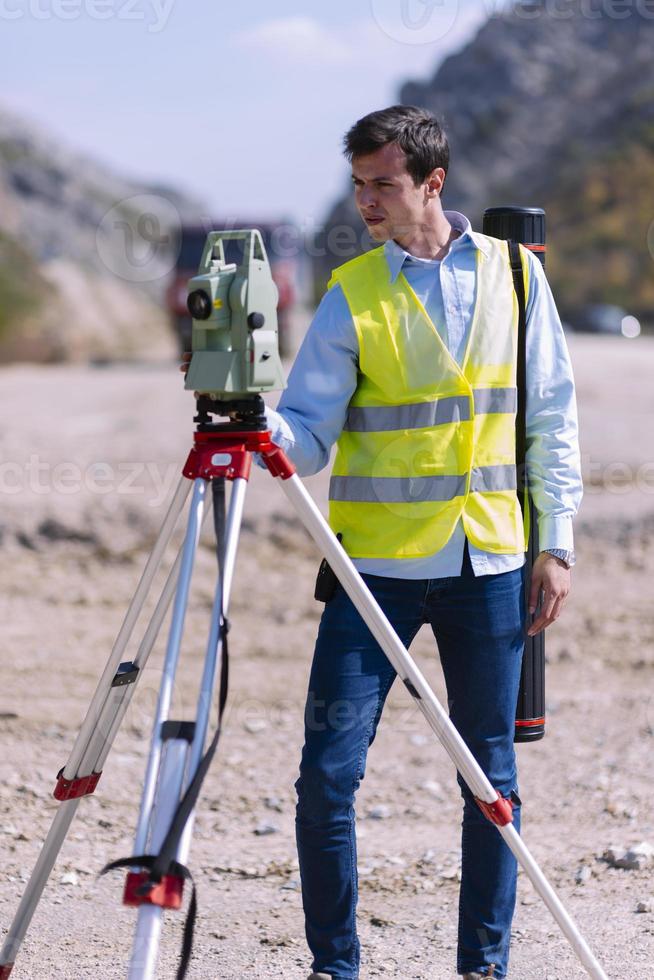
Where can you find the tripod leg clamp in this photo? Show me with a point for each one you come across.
(278, 462)
(500, 812)
(167, 893)
(71, 789)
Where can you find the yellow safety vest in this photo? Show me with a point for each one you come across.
(427, 442)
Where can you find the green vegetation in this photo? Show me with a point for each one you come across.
(22, 287)
(602, 230)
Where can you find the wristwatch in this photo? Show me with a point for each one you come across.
(568, 557)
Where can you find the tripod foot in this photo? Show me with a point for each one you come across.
(5, 970)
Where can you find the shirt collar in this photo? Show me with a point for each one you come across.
(396, 256)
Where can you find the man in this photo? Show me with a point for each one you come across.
(410, 365)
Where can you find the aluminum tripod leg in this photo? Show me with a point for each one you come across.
(143, 652)
(32, 894)
(142, 590)
(431, 707)
(170, 661)
(171, 765)
(99, 729)
(214, 645)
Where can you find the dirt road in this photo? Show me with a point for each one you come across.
(89, 458)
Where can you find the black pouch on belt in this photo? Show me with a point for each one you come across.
(326, 580)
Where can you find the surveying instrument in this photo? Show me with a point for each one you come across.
(234, 359)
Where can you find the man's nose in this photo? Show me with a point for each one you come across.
(367, 198)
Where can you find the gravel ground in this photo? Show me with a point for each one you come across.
(89, 458)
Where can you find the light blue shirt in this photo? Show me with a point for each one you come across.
(313, 409)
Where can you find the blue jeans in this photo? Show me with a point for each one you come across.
(478, 624)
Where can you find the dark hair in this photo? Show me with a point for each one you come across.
(414, 130)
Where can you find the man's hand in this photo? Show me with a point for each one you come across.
(551, 575)
(186, 360)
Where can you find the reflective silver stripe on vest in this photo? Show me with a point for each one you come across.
(495, 400)
(422, 415)
(419, 489)
(395, 489)
(486, 479)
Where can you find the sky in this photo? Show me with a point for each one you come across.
(243, 105)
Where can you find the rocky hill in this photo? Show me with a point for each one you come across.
(84, 253)
(553, 106)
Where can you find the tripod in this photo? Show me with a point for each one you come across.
(178, 761)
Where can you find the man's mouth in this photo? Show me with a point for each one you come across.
(373, 219)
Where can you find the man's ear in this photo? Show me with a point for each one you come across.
(434, 182)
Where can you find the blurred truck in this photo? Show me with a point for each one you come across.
(281, 241)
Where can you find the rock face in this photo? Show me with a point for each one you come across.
(85, 253)
(552, 105)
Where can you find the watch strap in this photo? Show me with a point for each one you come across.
(566, 556)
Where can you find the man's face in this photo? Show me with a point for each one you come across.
(387, 198)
